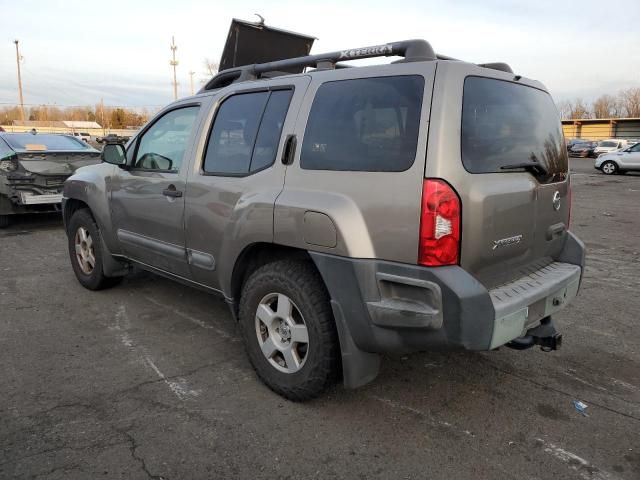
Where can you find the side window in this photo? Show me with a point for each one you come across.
(162, 147)
(246, 132)
(368, 124)
(636, 148)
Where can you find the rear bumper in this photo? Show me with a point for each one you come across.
(383, 306)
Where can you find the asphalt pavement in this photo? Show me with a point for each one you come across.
(150, 379)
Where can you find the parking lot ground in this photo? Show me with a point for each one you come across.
(149, 380)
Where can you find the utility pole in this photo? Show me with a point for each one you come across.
(191, 74)
(174, 63)
(19, 81)
(102, 114)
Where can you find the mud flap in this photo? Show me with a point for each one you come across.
(358, 367)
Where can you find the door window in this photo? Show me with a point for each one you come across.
(163, 145)
(246, 133)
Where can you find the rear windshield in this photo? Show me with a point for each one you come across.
(39, 142)
(505, 124)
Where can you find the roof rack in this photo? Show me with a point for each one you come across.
(411, 50)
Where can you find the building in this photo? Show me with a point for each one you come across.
(602, 128)
(68, 125)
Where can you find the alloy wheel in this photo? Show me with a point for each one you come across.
(282, 333)
(85, 255)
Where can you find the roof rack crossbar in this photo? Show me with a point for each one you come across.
(411, 50)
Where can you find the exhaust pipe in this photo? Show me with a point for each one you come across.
(544, 335)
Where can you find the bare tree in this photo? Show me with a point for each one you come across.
(210, 69)
(564, 108)
(574, 109)
(630, 102)
(606, 106)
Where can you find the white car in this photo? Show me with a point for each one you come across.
(620, 161)
(82, 136)
(608, 146)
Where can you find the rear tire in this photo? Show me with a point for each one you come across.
(609, 168)
(288, 329)
(4, 221)
(85, 252)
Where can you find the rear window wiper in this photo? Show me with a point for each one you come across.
(535, 167)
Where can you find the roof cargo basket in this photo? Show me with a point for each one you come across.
(411, 50)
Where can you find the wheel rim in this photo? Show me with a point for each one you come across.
(85, 254)
(282, 333)
(608, 168)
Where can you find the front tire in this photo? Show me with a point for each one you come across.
(609, 168)
(4, 221)
(85, 252)
(289, 330)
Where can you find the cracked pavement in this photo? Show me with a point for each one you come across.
(149, 380)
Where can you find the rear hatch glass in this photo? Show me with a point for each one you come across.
(506, 124)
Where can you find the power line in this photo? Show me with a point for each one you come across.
(61, 105)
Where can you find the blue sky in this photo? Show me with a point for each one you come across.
(76, 52)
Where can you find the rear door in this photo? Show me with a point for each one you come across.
(511, 173)
(238, 174)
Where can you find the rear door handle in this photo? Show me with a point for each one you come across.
(289, 149)
(171, 191)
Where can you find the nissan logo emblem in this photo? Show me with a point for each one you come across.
(556, 201)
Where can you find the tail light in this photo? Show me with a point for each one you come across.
(439, 224)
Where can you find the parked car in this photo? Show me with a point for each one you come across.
(608, 146)
(346, 213)
(585, 149)
(574, 141)
(33, 168)
(619, 162)
(85, 137)
(113, 138)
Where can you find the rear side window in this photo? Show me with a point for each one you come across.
(246, 132)
(368, 124)
(505, 124)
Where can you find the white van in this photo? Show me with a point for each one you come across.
(608, 146)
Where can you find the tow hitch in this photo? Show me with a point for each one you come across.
(544, 335)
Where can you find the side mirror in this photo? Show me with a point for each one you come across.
(115, 154)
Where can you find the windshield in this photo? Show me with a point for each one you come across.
(608, 144)
(44, 142)
(505, 124)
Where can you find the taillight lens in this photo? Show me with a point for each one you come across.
(439, 224)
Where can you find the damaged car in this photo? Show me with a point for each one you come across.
(33, 168)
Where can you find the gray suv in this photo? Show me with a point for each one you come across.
(346, 212)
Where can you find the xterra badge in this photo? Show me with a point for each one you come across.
(503, 242)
